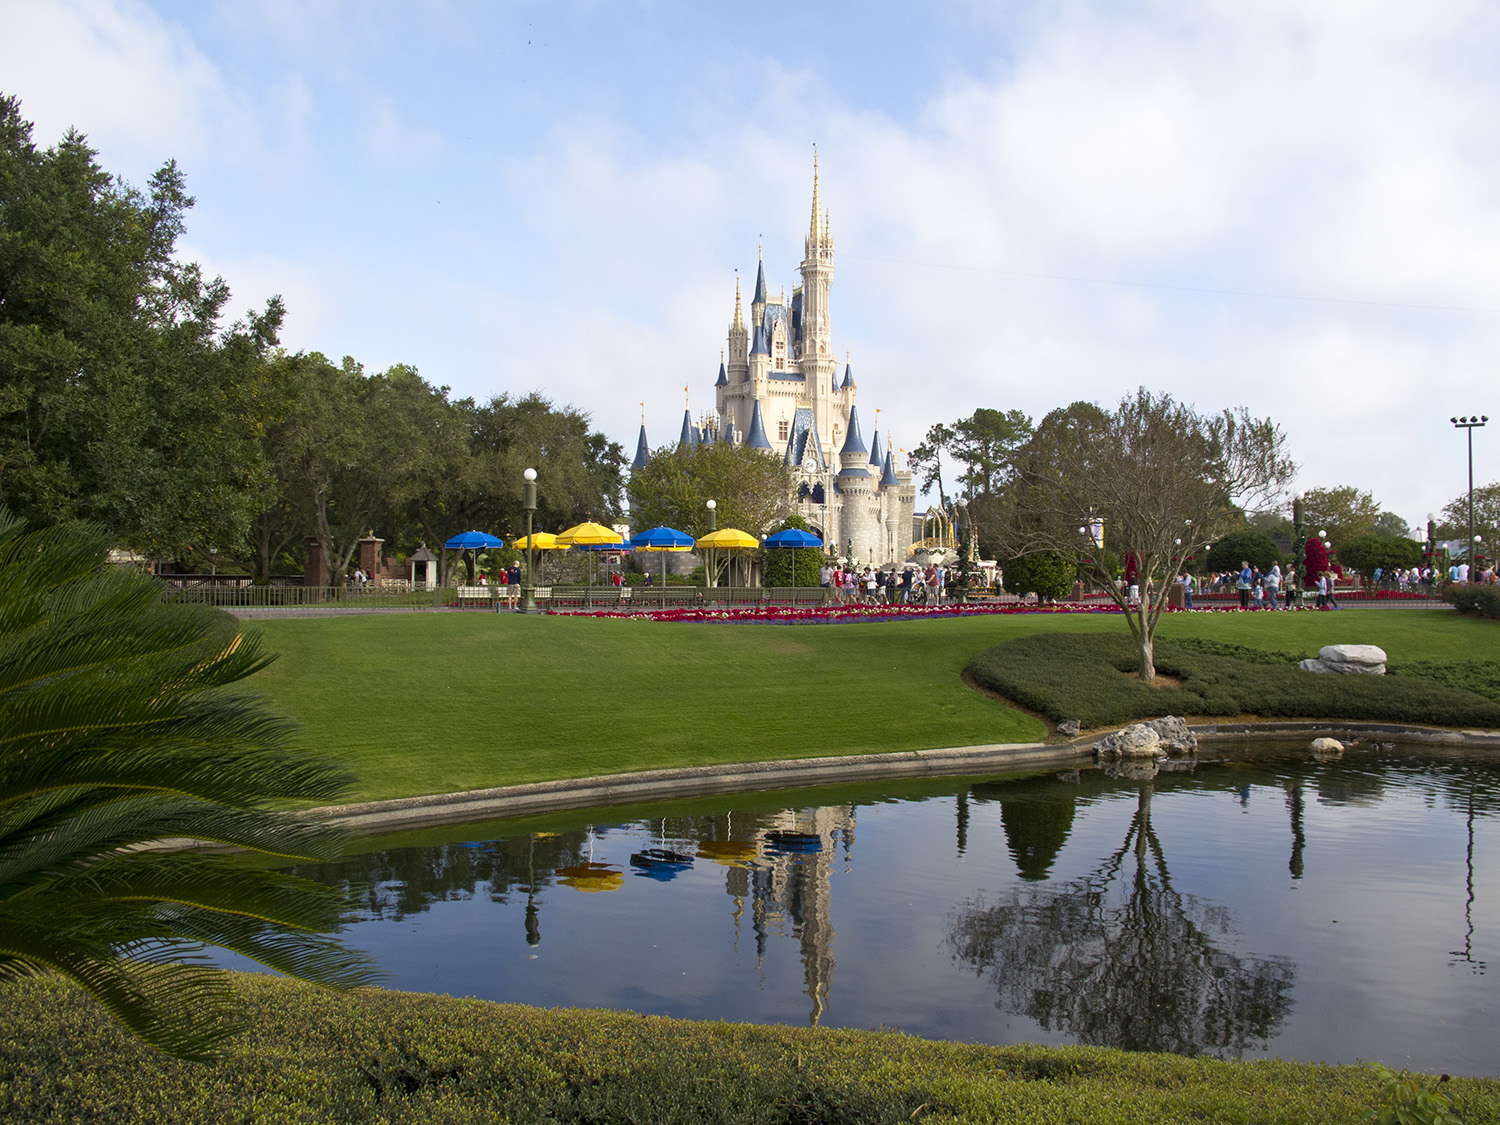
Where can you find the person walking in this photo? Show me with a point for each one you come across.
(1272, 583)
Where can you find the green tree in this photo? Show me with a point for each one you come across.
(119, 731)
(121, 396)
(927, 459)
(776, 565)
(1455, 521)
(1371, 552)
(752, 490)
(1043, 573)
(1229, 551)
(1344, 512)
(986, 444)
(1161, 480)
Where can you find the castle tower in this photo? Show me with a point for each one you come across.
(815, 353)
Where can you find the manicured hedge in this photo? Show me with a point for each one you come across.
(1092, 678)
(1474, 600)
(377, 1056)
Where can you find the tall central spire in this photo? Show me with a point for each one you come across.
(817, 202)
(739, 318)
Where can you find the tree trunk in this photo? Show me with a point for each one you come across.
(1147, 644)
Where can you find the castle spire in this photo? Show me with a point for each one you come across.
(739, 318)
(817, 202)
(760, 282)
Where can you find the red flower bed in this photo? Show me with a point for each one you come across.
(835, 614)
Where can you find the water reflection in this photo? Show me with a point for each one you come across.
(1179, 911)
(1118, 958)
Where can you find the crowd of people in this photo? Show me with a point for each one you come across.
(913, 585)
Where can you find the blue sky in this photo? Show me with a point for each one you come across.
(1290, 207)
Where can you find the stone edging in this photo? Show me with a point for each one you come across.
(692, 781)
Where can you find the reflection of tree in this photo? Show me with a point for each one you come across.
(1122, 959)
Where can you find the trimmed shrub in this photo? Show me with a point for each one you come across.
(307, 1055)
(1092, 678)
(1473, 600)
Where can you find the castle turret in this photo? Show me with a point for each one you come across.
(642, 450)
(757, 437)
(689, 438)
(854, 457)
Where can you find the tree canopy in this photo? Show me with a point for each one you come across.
(751, 490)
(1160, 479)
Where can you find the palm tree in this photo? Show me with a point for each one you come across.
(118, 732)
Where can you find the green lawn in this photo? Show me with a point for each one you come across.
(435, 703)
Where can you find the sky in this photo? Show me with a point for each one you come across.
(1289, 207)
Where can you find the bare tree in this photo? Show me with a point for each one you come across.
(1153, 480)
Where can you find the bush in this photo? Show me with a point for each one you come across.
(1092, 679)
(1046, 575)
(1257, 549)
(1473, 599)
(377, 1056)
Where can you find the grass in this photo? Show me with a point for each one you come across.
(434, 703)
(377, 1056)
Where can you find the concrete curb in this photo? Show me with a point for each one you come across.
(799, 773)
(692, 781)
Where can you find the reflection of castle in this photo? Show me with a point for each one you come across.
(787, 884)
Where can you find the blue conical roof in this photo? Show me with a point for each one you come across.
(877, 458)
(689, 438)
(726, 435)
(853, 443)
(723, 380)
(759, 345)
(642, 450)
(848, 376)
(888, 478)
(760, 285)
(757, 438)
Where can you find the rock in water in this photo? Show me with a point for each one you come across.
(1139, 740)
(1363, 660)
(1174, 734)
(1326, 746)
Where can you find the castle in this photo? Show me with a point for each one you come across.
(780, 391)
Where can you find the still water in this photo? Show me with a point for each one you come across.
(1256, 902)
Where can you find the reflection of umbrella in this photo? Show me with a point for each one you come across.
(662, 539)
(730, 853)
(591, 877)
(793, 538)
(660, 864)
(728, 539)
(473, 541)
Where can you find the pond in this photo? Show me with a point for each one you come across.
(1254, 902)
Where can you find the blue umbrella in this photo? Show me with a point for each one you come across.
(663, 539)
(793, 538)
(473, 541)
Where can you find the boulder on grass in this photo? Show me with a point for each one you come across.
(1358, 660)
(1070, 728)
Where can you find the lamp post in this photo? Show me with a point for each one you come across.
(528, 501)
(1471, 424)
(710, 577)
(213, 562)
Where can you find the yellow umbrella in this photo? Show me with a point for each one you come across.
(541, 541)
(591, 877)
(728, 538)
(589, 535)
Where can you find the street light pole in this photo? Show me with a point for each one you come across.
(1470, 424)
(528, 500)
(710, 578)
